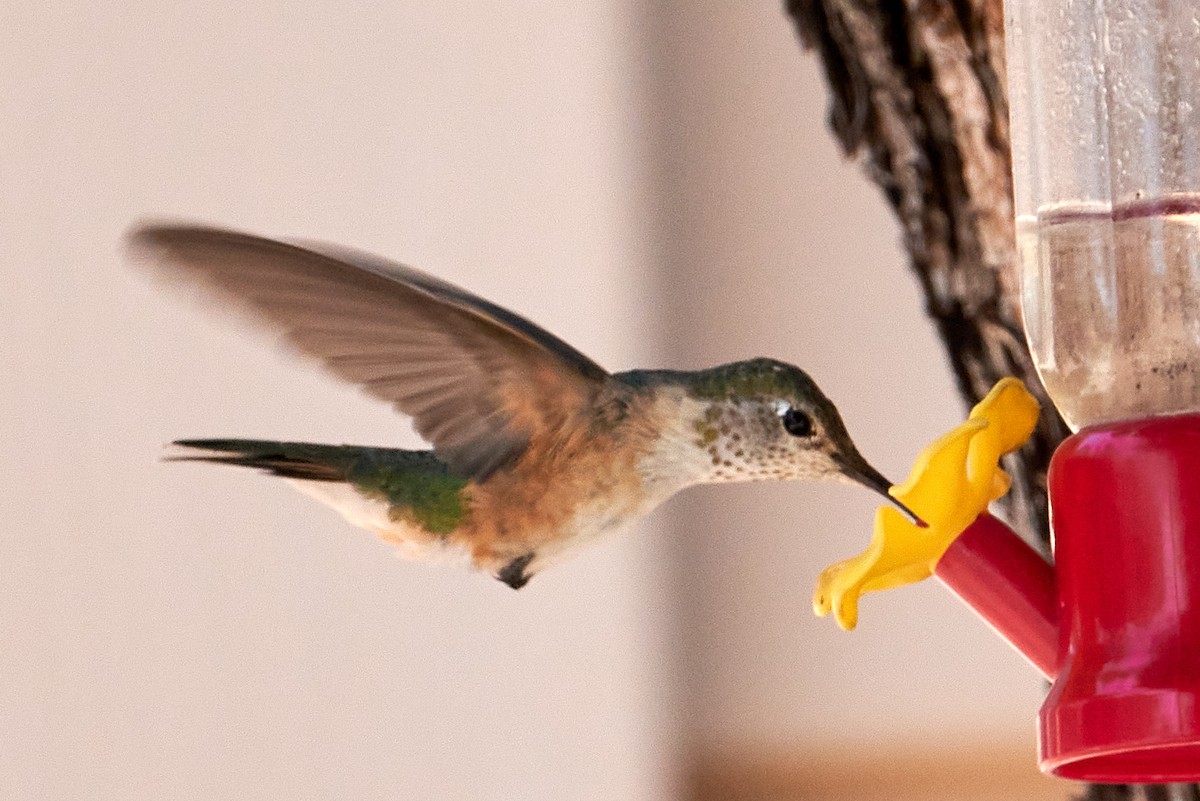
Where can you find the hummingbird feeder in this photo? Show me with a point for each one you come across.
(1105, 113)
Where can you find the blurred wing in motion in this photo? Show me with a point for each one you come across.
(480, 382)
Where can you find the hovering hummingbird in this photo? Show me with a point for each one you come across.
(536, 448)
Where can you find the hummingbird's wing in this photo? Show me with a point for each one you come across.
(479, 381)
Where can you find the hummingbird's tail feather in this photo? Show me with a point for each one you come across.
(411, 498)
(284, 459)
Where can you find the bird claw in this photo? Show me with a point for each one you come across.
(952, 482)
(513, 574)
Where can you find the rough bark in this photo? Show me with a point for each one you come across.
(917, 87)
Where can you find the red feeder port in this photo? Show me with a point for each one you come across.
(1116, 622)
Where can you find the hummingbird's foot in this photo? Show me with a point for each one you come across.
(513, 574)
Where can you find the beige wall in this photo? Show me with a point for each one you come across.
(178, 632)
(623, 173)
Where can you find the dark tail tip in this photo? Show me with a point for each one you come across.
(274, 458)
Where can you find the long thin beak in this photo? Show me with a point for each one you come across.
(869, 477)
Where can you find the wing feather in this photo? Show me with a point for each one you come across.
(479, 381)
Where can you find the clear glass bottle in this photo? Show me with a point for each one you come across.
(1105, 110)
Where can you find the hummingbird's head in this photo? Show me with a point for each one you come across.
(765, 419)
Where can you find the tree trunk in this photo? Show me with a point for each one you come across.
(919, 87)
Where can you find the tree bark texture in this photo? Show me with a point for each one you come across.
(918, 88)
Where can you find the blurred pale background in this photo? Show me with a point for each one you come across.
(653, 182)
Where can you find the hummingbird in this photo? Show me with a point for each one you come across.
(536, 449)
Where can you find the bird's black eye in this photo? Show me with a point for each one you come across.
(797, 423)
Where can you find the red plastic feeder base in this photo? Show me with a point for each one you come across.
(1125, 511)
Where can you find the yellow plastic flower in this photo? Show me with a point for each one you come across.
(952, 482)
